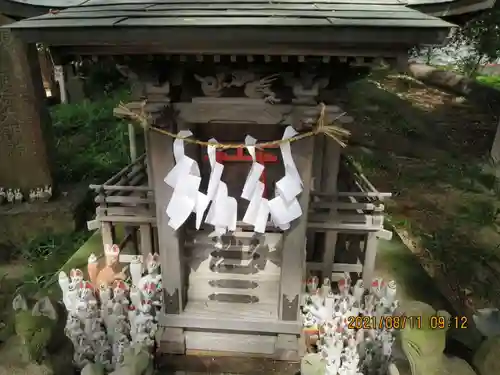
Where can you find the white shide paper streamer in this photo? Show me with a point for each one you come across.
(186, 198)
(223, 209)
(185, 179)
(257, 211)
(285, 207)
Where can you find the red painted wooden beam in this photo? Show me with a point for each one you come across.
(243, 156)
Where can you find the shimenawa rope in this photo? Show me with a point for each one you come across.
(321, 127)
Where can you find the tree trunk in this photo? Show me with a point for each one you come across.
(484, 96)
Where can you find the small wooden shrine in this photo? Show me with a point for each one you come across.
(239, 72)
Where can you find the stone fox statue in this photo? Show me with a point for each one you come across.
(34, 327)
(137, 361)
(424, 346)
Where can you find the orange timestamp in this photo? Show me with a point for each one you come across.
(456, 322)
(384, 322)
(406, 321)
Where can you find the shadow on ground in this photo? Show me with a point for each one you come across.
(428, 148)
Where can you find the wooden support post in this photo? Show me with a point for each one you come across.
(146, 241)
(293, 266)
(132, 142)
(148, 168)
(107, 233)
(161, 160)
(61, 81)
(131, 236)
(316, 186)
(73, 85)
(331, 164)
(371, 243)
(107, 230)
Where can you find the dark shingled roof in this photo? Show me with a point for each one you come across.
(109, 13)
(328, 20)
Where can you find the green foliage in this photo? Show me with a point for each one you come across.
(44, 257)
(482, 34)
(493, 81)
(35, 333)
(91, 144)
(101, 77)
(34, 327)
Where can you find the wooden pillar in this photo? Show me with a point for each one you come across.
(148, 163)
(73, 85)
(311, 250)
(146, 240)
(47, 71)
(169, 242)
(293, 266)
(108, 234)
(331, 164)
(371, 243)
(61, 81)
(161, 161)
(132, 142)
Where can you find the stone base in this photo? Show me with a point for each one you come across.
(216, 363)
(22, 222)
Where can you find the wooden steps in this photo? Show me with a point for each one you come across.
(255, 311)
(238, 277)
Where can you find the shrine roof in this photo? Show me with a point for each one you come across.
(100, 22)
(31, 8)
(448, 8)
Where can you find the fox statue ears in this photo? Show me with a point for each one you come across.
(43, 307)
(152, 257)
(19, 303)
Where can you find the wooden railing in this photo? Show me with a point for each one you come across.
(125, 197)
(355, 216)
(359, 211)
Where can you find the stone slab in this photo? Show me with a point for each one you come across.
(19, 223)
(25, 124)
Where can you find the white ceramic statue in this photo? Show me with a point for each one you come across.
(76, 277)
(120, 291)
(86, 301)
(39, 193)
(102, 323)
(47, 193)
(64, 285)
(10, 196)
(153, 271)
(18, 196)
(347, 347)
(136, 269)
(135, 297)
(32, 195)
